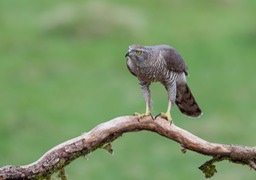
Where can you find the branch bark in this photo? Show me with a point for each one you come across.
(102, 135)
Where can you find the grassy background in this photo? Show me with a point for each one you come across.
(62, 72)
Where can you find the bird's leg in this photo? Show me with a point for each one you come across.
(171, 89)
(147, 97)
(147, 113)
(166, 115)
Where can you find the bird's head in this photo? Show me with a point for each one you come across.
(137, 53)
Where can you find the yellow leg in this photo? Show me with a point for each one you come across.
(167, 115)
(168, 112)
(146, 93)
(147, 113)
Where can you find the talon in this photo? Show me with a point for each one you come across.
(166, 116)
(157, 115)
(140, 116)
(152, 117)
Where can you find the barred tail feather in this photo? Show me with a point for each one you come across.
(186, 101)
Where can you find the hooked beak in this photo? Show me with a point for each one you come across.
(127, 53)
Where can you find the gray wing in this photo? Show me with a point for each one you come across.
(174, 60)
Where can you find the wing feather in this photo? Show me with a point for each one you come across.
(173, 60)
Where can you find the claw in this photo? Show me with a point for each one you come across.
(166, 116)
(152, 117)
(140, 116)
(157, 115)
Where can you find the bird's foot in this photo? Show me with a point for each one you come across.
(140, 116)
(166, 116)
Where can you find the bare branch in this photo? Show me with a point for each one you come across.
(102, 135)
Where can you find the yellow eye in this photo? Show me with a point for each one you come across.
(138, 52)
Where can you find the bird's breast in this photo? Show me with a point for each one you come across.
(149, 71)
(152, 72)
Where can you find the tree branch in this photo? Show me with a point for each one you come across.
(101, 136)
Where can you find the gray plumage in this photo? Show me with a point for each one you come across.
(162, 64)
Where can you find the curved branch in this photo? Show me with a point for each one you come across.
(102, 135)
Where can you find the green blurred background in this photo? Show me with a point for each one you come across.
(63, 71)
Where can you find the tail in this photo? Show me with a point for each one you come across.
(186, 101)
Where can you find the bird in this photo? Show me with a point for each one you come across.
(162, 63)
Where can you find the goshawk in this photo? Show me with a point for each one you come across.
(163, 64)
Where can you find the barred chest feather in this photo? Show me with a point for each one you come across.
(153, 71)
